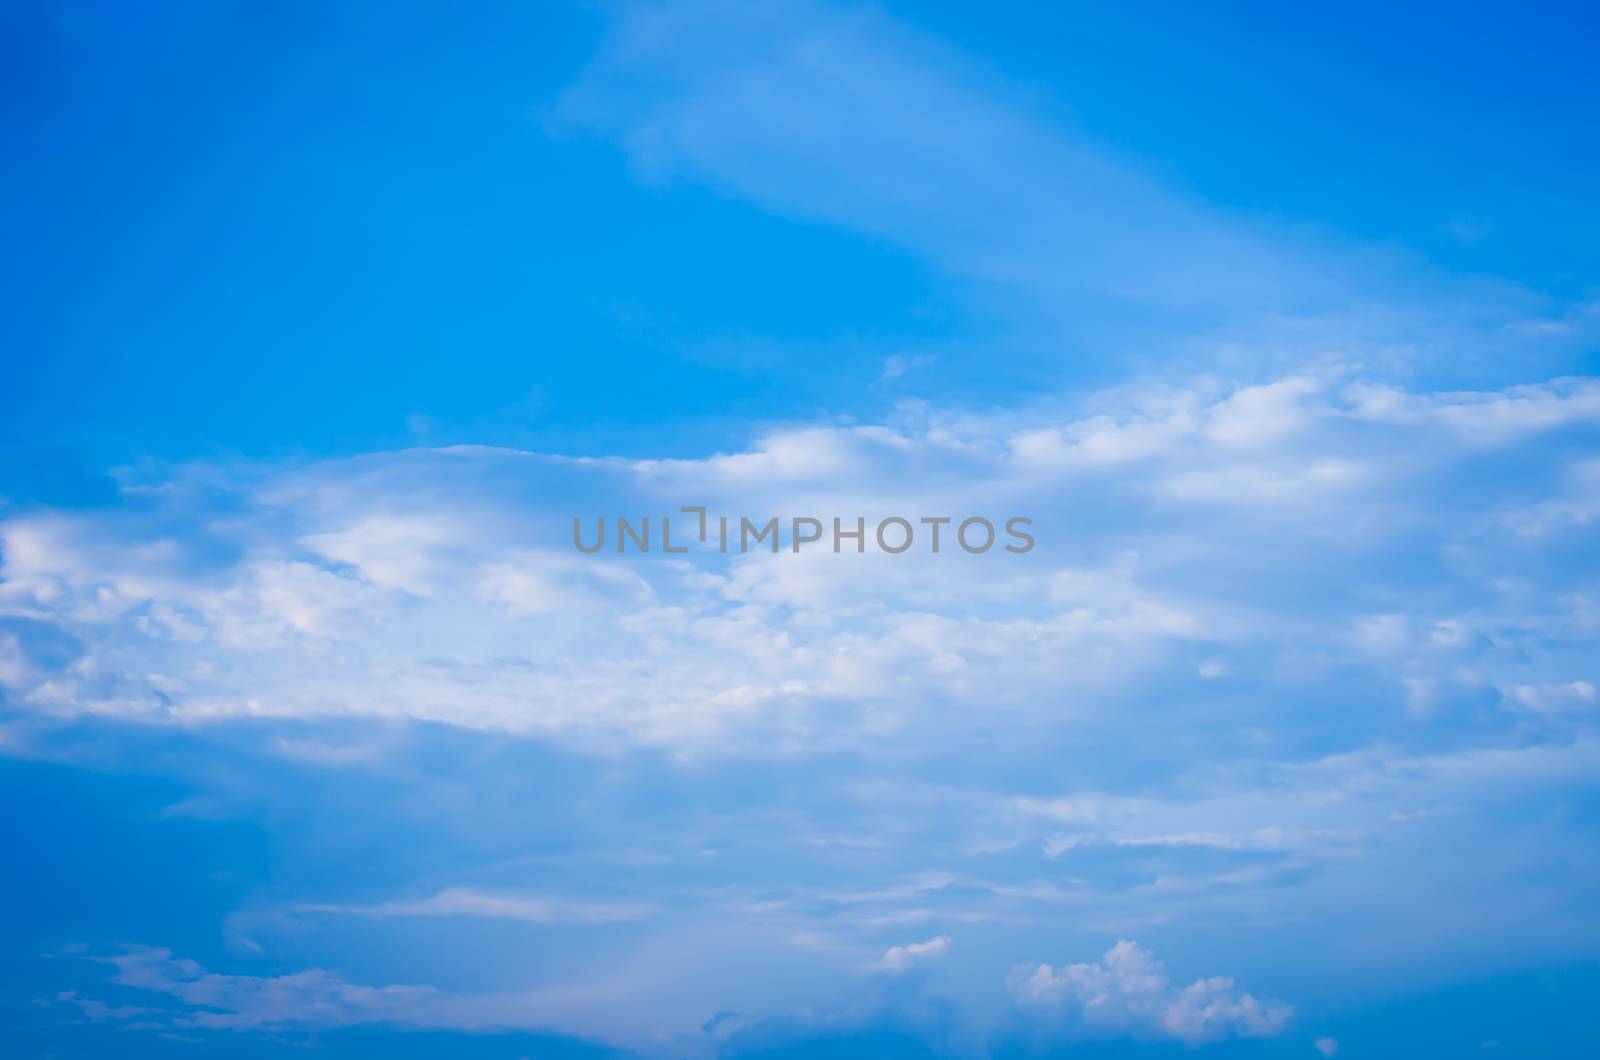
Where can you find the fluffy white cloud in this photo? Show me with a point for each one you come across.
(1128, 991)
(441, 585)
(901, 958)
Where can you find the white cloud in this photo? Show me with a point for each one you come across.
(1556, 698)
(237, 1002)
(360, 587)
(1128, 991)
(1327, 1046)
(1389, 643)
(853, 118)
(392, 551)
(901, 958)
(465, 901)
(1483, 418)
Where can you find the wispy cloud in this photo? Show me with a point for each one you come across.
(466, 902)
(844, 115)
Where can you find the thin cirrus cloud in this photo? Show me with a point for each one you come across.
(464, 901)
(850, 117)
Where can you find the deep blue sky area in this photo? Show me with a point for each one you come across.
(279, 229)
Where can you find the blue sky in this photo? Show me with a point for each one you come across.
(315, 731)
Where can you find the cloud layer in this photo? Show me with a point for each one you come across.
(1275, 641)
